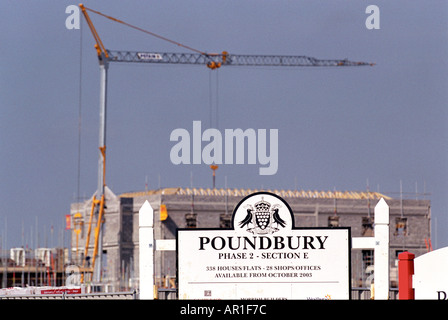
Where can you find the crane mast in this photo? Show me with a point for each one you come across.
(211, 60)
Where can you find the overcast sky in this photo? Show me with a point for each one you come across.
(337, 127)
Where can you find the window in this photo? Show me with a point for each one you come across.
(397, 252)
(367, 227)
(367, 257)
(333, 221)
(401, 226)
(191, 220)
(127, 221)
(224, 221)
(367, 266)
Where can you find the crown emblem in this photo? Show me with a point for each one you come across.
(262, 206)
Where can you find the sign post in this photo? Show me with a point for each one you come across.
(380, 243)
(263, 256)
(146, 251)
(381, 253)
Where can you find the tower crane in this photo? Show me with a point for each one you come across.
(211, 60)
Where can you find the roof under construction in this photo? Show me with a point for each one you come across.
(358, 195)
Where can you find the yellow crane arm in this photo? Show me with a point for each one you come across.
(99, 44)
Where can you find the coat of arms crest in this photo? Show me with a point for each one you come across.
(264, 219)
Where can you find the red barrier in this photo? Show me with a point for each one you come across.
(405, 272)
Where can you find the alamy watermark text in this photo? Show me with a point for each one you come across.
(189, 149)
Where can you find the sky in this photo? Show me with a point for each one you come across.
(338, 128)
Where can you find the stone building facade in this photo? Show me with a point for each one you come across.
(213, 208)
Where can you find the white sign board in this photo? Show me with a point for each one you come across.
(430, 280)
(264, 256)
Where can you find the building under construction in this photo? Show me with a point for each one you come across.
(212, 208)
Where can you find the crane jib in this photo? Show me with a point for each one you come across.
(228, 59)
